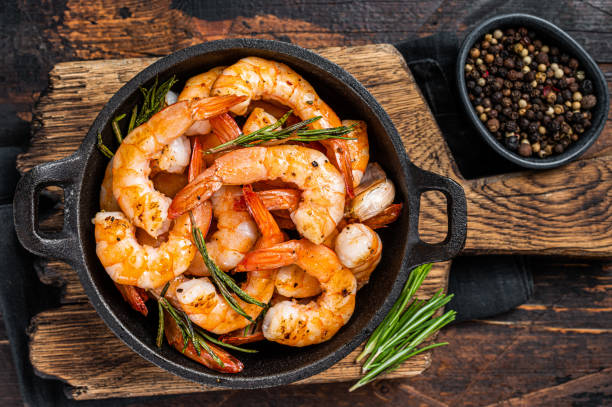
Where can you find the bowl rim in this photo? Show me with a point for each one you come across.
(578, 52)
(89, 146)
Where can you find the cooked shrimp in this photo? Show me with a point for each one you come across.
(259, 78)
(359, 149)
(292, 281)
(275, 199)
(175, 339)
(128, 262)
(198, 87)
(359, 249)
(257, 119)
(236, 231)
(175, 156)
(202, 213)
(134, 296)
(294, 324)
(208, 309)
(322, 203)
(225, 127)
(142, 204)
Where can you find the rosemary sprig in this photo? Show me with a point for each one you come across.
(295, 132)
(153, 102)
(223, 282)
(198, 336)
(409, 323)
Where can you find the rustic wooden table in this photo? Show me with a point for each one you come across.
(555, 350)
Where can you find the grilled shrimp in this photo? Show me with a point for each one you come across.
(198, 87)
(134, 296)
(359, 149)
(176, 340)
(236, 231)
(322, 203)
(294, 324)
(128, 262)
(202, 213)
(208, 309)
(292, 281)
(257, 119)
(359, 249)
(142, 204)
(259, 78)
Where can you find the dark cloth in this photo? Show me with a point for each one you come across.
(484, 286)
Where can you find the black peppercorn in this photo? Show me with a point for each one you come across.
(573, 63)
(586, 87)
(542, 58)
(588, 102)
(512, 143)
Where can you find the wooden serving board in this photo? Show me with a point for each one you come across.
(564, 211)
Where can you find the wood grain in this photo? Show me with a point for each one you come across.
(71, 342)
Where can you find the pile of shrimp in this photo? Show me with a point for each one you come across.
(298, 219)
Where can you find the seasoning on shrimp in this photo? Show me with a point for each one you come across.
(322, 203)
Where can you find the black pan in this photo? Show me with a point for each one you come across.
(80, 175)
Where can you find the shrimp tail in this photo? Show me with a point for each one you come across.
(343, 163)
(175, 339)
(280, 255)
(259, 212)
(225, 127)
(194, 193)
(274, 199)
(387, 216)
(196, 164)
(241, 340)
(206, 108)
(134, 296)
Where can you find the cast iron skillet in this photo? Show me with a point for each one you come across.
(80, 175)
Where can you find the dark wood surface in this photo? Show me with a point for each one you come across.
(553, 351)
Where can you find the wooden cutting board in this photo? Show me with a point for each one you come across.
(563, 211)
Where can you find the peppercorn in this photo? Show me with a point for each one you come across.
(525, 149)
(586, 86)
(511, 126)
(542, 58)
(527, 92)
(512, 142)
(493, 125)
(588, 102)
(573, 63)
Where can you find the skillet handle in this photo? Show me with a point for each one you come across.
(457, 217)
(63, 244)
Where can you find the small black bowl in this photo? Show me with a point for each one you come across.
(553, 36)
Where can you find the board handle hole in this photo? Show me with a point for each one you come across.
(433, 222)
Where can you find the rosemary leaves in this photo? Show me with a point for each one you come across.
(409, 323)
(224, 283)
(295, 132)
(153, 102)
